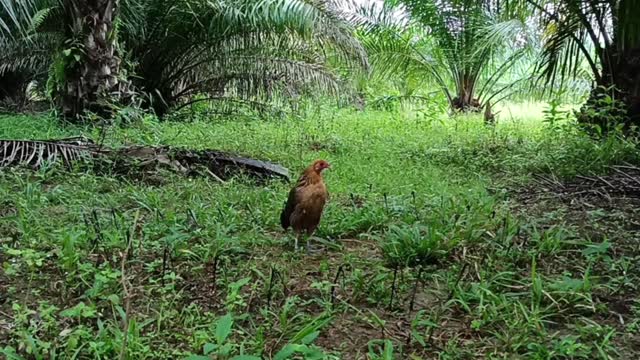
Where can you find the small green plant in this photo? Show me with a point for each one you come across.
(413, 245)
(604, 113)
(479, 228)
(234, 297)
(381, 350)
(222, 347)
(554, 116)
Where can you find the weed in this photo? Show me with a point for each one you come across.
(421, 217)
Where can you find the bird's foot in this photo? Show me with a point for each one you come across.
(314, 249)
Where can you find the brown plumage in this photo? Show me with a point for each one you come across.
(306, 201)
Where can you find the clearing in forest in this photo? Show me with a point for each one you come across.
(454, 240)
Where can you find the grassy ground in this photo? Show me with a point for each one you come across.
(97, 266)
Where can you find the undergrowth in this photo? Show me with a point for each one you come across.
(424, 253)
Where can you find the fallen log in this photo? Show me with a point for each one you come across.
(132, 159)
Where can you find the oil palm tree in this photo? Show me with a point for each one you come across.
(241, 52)
(179, 52)
(19, 61)
(464, 47)
(83, 34)
(15, 16)
(604, 35)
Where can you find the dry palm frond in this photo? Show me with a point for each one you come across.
(38, 153)
(129, 160)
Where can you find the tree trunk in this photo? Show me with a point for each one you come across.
(465, 101)
(627, 79)
(91, 73)
(13, 90)
(620, 82)
(466, 104)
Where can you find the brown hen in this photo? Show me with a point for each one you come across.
(306, 202)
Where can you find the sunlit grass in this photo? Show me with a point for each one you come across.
(395, 179)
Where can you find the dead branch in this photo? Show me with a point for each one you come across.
(135, 159)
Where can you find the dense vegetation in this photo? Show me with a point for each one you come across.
(484, 186)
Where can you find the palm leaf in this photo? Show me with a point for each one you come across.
(464, 47)
(256, 51)
(38, 153)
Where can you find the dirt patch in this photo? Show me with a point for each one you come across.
(620, 188)
(301, 276)
(598, 206)
(599, 209)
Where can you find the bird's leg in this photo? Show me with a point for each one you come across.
(296, 241)
(309, 248)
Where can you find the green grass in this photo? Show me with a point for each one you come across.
(207, 268)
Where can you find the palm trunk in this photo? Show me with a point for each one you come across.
(13, 90)
(91, 75)
(627, 79)
(465, 101)
(620, 81)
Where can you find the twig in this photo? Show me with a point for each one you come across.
(214, 278)
(603, 194)
(628, 166)
(104, 129)
(554, 178)
(606, 182)
(585, 178)
(127, 306)
(393, 287)
(216, 177)
(415, 289)
(96, 227)
(542, 180)
(627, 175)
(464, 267)
(127, 294)
(334, 284)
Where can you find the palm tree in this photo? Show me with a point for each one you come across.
(180, 52)
(92, 59)
(19, 63)
(15, 16)
(603, 34)
(465, 47)
(84, 31)
(242, 52)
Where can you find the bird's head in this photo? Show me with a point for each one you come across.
(320, 165)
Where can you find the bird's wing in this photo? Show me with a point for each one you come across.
(310, 203)
(285, 215)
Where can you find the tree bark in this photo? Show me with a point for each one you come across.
(13, 90)
(92, 68)
(627, 79)
(620, 81)
(465, 101)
